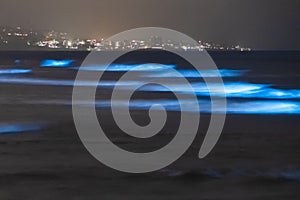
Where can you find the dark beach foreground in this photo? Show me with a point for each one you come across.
(42, 157)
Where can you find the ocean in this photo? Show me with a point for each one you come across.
(256, 157)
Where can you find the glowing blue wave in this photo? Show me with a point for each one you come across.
(57, 63)
(14, 71)
(18, 128)
(233, 107)
(125, 68)
(163, 70)
(54, 82)
(196, 74)
(264, 107)
(230, 89)
(249, 107)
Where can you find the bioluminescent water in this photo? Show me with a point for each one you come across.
(249, 107)
(162, 70)
(293, 175)
(70, 83)
(243, 97)
(199, 74)
(57, 63)
(233, 107)
(230, 90)
(14, 71)
(19, 128)
(151, 67)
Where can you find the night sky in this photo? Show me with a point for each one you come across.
(259, 24)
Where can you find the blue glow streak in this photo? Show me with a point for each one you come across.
(231, 90)
(125, 68)
(270, 93)
(251, 107)
(201, 73)
(264, 107)
(57, 63)
(18, 128)
(289, 175)
(53, 82)
(14, 71)
(233, 107)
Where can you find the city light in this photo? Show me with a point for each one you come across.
(61, 40)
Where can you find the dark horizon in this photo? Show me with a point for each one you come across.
(261, 25)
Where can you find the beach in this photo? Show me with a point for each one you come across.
(42, 157)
